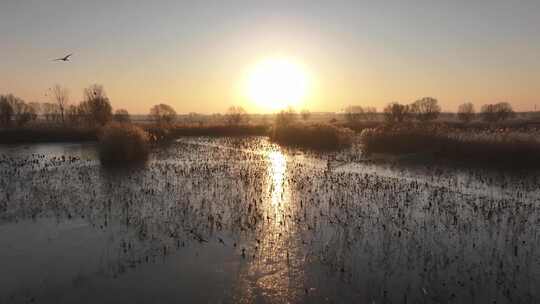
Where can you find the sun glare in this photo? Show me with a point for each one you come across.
(275, 84)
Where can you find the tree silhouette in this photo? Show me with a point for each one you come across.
(426, 109)
(14, 108)
(466, 112)
(6, 111)
(236, 115)
(50, 111)
(96, 109)
(60, 96)
(396, 112)
(162, 114)
(497, 112)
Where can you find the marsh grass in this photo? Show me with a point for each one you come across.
(121, 144)
(314, 136)
(493, 148)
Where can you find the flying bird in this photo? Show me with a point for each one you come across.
(65, 58)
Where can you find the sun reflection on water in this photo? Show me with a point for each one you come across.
(276, 172)
(274, 265)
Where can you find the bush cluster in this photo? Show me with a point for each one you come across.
(123, 143)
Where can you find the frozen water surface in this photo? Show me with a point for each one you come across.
(241, 220)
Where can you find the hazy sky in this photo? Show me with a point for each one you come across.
(194, 55)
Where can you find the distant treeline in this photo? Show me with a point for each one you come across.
(61, 120)
(427, 109)
(96, 110)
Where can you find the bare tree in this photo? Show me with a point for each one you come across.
(305, 114)
(162, 114)
(95, 91)
(50, 111)
(60, 96)
(73, 114)
(426, 109)
(24, 113)
(96, 109)
(497, 112)
(15, 108)
(504, 111)
(121, 115)
(236, 115)
(6, 111)
(396, 112)
(36, 107)
(466, 112)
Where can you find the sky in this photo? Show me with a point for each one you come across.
(195, 55)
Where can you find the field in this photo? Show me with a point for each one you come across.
(242, 220)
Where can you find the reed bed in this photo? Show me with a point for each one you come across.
(493, 147)
(314, 136)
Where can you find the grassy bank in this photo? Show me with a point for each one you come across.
(493, 148)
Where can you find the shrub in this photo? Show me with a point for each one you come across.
(315, 136)
(123, 143)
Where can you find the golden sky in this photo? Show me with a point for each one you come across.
(196, 57)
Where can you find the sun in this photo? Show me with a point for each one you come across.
(277, 83)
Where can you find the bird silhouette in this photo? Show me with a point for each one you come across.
(65, 58)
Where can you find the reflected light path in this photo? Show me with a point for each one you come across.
(276, 172)
(274, 272)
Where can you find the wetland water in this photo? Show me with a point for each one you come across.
(243, 220)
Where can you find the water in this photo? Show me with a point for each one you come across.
(243, 220)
